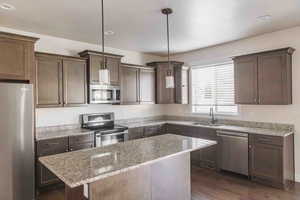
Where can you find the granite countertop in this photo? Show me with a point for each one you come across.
(87, 166)
(75, 131)
(51, 134)
(261, 131)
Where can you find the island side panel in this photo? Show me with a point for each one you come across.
(163, 180)
(130, 185)
(74, 193)
(171, 178)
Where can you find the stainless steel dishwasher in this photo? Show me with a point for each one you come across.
(233, 152)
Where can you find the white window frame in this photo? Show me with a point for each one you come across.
(191, 95)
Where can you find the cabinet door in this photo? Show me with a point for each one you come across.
(208, 157)
(266, 162)
(49, 81)
(113, 65)
(274, 78)
(181, 85)
(45, 148)
(164, 95)
(14, 59)
(74, 77)
(95, 63)
(245, 80)
(129, 85)
(147, 86)
(46, 177)
(135, 133)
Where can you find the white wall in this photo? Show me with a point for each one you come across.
(62, 116)
(281, 114)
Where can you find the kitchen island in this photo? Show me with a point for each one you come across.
(154, 168)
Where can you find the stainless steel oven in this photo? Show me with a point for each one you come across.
(106, 94)
(106, 132)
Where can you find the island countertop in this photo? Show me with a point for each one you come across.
(87, 166)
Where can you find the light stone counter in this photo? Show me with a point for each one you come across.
(87, 166)
(250, 130)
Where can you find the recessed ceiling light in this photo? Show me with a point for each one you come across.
(109, 32)
(264, 17)
(7, 6)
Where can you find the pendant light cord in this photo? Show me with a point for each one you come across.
(168, 38)
(103, 57)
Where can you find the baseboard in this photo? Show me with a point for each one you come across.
(297, 178)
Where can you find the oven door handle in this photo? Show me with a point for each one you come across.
(115, 134)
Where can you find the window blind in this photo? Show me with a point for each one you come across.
(213, 86)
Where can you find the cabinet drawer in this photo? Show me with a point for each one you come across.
(80, 146)
(52, 146)
(174, 129)
(271, 140)
(81, 139)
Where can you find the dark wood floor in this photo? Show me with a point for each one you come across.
(210, 185)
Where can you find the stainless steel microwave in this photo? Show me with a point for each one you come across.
(104, 94)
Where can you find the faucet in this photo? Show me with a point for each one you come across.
(213, 120)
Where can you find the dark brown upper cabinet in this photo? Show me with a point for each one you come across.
(182, 84)
(137, 84)
(178, 94)
(129, 85)
(17, 57)
(60, 81)
(264, 78)
(75, 84)
(95, 59)
(147, 85)
(48, 81)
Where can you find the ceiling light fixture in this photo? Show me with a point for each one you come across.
(109, 32)
(170, 83)
(6, 6)
(264, 17)
(104, 77)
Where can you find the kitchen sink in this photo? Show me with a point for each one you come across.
(206, 124)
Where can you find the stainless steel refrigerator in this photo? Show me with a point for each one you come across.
(16, 142)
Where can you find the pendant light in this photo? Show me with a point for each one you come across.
(104, 76)
(170, 83)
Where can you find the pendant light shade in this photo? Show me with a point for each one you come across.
(170, 82)
(104, 76)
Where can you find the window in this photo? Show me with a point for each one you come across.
(213, 86)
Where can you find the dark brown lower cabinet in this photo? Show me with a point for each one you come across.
(45, 177)
(147, 131)
(153, 130)
(272, 160)
(48, 147)
(205, 157)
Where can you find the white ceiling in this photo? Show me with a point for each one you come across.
(140, 26)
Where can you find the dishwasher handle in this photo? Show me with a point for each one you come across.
(228, 133)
